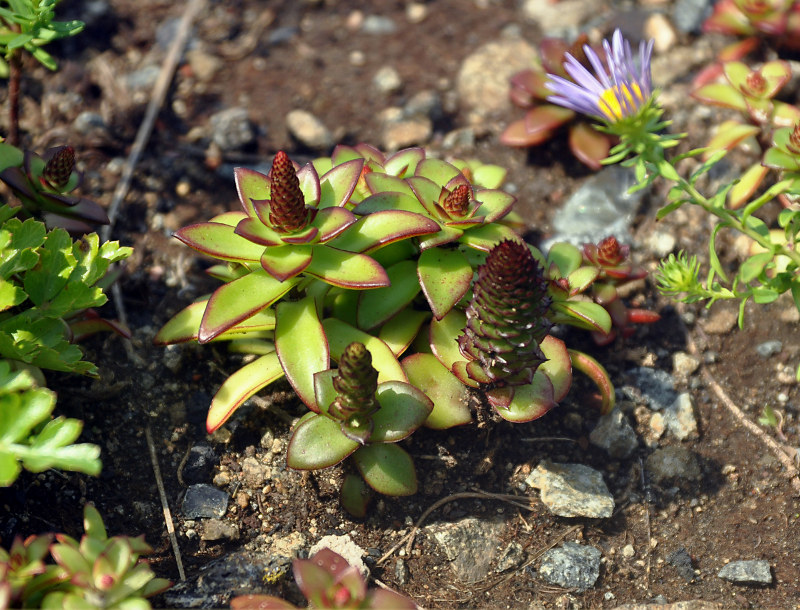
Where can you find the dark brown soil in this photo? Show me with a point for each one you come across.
(743, 507)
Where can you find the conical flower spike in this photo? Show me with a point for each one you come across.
(287, 208)
(58, 169)
(456, 204)
(356, 384)
(506, 318)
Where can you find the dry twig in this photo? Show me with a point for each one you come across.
(164, 504)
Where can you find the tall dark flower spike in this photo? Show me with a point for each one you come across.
(506, 318)
(287, 208)
(356, 384)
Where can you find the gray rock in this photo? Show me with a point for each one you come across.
(562, 19)
(682, 562)
(378, 25)
(87, 122)
(216, 583)
(469, 544)
(511, 557)
(144, 78)
(282, 34)
(654, 386)
(614, 434)
(309, 130)
(406, 132)
(427, 103)
(232, 129)
(572, 566)
(387, 80)
(679, 418)
(601, 207)
(768, 349)
(216, 529)
(660, 243)
(684, 365)
(344, 546)
(172, 356)
(204, 501)
(200, 463)
(253, 472)
(672, 462)
(572, 490)
(688, 15)
(749, 572)
(205, 66)
(401, 572)
(483, 80)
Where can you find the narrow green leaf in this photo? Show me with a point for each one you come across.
(753, 266)
(318, 442)
(240, 386)
(301, 345)
(377, 306)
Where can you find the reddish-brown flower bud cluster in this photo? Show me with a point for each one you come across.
(59, 166)
(287, 212)
(794, 140)
(506, 317)
(457, 202)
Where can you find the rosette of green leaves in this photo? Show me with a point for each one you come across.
(47, 281)
(328, 581)
(97, 572)
(361, 413)
(469, 224)
(43, 184)
(29, 435)
(750, 92)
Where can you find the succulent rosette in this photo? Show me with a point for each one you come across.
(358, 417)
(43, 184)
(468, 218)
(777, 19)
(750, 92)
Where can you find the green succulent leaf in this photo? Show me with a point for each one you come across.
(445, 276)
(379, 229)
(389, 200)
(338, 184)
(317, 442)
(749, 182)
(346, 269)
(450, 397)
(286, 262)
(251, 185)
(484, 237)
(404, 162)
(404, 408)
(377, 306)
(240, 299)
(588, 145)
(558, 366)
(355, 496)
(566, 257)
(301, 345)
(583, 314)
(185, 325)
(438, 171)
(530, 401)
(379, 182)
(387, 468)
(401, 330)
(719, 94)
(220, 241)
(240, 386)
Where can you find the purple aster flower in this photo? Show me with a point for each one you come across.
(618, 88)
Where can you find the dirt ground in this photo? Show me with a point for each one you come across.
(744, 506)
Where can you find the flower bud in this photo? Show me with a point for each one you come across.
(58, 168)
(287, 205)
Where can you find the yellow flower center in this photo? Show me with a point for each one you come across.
(611, 100)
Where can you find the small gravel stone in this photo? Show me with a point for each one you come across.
(401, 572)
(767, 349)
(679, 417)
(721, 321)
(216, 529)
(684, 364)
(560, 20)
(254, 472)
(748, 572)
(682, 562)
(231, 129)
(204, 501)
(387, 80)
(661, 31)
(405, 133)
(141, 79)
(660, 243)
(673, 462)
(88, 122)
(511, 557)
(688, 15)
(469, 544)
(308, 130)
(378, 25)
(344, 546)
(572, 566)
(200, 463)
(572, 490)
(655, 386)
(483, 80)
(628, 551)
(204, 65)
(427, 103)
(614, 434)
